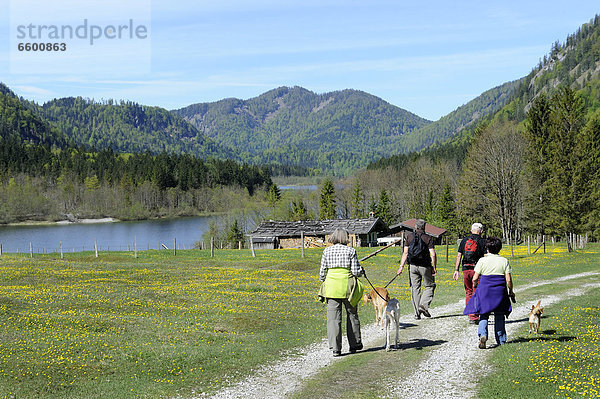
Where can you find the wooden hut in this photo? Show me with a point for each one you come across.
(275, 234)
(410, 225)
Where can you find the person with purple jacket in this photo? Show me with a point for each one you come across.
(493, 293)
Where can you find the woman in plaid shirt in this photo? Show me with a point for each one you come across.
(339, 272)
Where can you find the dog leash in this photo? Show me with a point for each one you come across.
(378, 294)
(391, 281)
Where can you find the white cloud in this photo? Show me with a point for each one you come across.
(32, 91)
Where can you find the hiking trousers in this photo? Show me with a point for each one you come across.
(421, 275)
(334, 324)
(469, 289)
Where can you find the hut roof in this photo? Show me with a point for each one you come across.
(275, 228)
(410, 224)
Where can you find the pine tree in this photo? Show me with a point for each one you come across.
(327, 203)
(383, 210)
(358, 201)
(566, 122)
(274, 195)
(446, 211)
(587, 176)
(298, 211)
(234, 234)
(537, 133)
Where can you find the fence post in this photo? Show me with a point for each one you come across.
(528, 246)
(61, 251)
(544, 243)
(0, 249)
(302, 242)
(239, 245)
(96, 247)
(212, 247)
(30, 250)
(135, 247)
(175, 246)
(252, 247)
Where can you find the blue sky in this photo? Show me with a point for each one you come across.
(426, 57)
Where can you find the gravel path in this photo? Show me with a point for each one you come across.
(442, 371)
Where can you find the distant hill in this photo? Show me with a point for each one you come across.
(127, 127)
(574, 63)
(339, 131)
(19, 122)
(487, 103)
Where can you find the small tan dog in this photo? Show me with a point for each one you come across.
(377, 298)
(535, 317)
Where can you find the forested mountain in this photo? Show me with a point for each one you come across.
(18, 121)
(574, 63)
(127, 127)
(533, 167)
(337, 132)
(488, 103)
(45, 175)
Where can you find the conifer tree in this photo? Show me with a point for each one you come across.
(537, 164)
(358, 201)
(566, 121)
(587, 177)
(446, 211)
(274, 195)
(383, 210)
(298, 211)
(234, 234)
(327, 203)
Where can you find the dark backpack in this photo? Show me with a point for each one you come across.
(472, 251)
(418, 253)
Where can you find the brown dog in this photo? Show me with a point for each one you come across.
(377, 298)
(535, 317)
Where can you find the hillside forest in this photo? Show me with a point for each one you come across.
(532, 168)
(527, 165)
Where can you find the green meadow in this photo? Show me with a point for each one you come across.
(162, 325)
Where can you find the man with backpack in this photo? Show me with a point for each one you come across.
(470, 250)
(419, 252)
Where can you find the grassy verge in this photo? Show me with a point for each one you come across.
(562, 361)
(163, 325)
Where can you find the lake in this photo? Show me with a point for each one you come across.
(115, 236)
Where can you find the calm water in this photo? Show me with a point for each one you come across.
(110, 236)
(308, 187)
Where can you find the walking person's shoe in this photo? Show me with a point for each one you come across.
(473, 321)
(424, 311)
(418, 317)
(482, 341)
(337, 353)
(356, 348)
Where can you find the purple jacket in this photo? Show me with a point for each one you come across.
(490, 296)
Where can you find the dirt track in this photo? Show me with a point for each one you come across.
(451, 354)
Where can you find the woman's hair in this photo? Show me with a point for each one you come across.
(339, 236)
(493, 245)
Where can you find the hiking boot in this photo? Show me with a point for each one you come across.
(356, 348)
(417, 317)
(424, 311)
(482, 341)
(337, 353)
